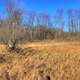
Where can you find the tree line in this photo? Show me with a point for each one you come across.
(37, 26)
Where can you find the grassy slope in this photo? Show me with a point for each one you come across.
(57, 60)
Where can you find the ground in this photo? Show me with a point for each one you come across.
(46, 60)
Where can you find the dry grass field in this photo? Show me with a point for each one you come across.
(41, 61)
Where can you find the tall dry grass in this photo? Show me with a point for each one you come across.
(41, 61)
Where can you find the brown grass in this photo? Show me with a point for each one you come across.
(41, 61)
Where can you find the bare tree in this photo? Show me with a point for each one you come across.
(59, 23)
(71, 21)
(14, 15)
(43, 22)
(77, 21)
(30, 24)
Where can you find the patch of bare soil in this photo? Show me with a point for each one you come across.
(41, 61)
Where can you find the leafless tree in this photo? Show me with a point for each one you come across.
(71, 21)
(31, 24)
(43, 22)
(77, 21)
(14, 15)
(59, 23)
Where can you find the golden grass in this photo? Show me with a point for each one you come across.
(50, 60)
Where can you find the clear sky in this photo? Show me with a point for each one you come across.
(49, 6)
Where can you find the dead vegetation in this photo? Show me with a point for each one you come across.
(47, 60)
(41, 61)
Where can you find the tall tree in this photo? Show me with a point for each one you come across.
(59, 19)
(77, 27)
(71, 21)
(31, 24)
(59, 22)
(14, 17)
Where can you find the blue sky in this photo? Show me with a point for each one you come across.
(49, 6)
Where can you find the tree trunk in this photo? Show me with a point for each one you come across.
(11, 46)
